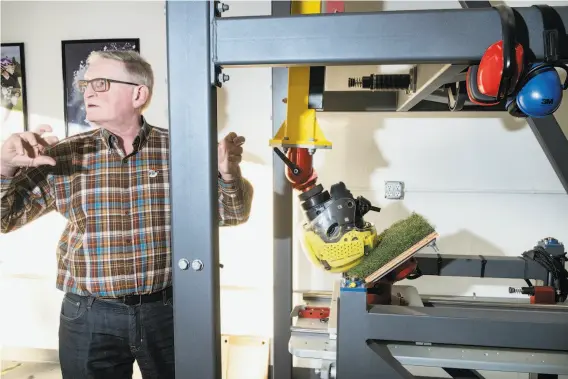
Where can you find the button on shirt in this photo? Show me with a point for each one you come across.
(117, 238)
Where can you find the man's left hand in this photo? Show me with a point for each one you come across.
(229, 153)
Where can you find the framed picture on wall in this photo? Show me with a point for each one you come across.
(14, 116)
(75, 54)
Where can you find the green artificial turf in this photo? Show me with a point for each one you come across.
(393, 241)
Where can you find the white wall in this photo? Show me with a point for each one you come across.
(459, 171)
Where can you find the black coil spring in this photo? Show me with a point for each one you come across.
(390, 82)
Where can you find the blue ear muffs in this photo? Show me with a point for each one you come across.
(539, 92)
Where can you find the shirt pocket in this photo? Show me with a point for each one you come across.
(154, 204)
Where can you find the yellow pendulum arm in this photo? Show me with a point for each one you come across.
(301, 128)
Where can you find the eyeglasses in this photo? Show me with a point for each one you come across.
(100, 84)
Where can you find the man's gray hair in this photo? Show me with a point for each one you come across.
(137, 67)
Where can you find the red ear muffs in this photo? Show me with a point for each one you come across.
(476, 96)
(500, 67)
(490, 71)
(483, 81)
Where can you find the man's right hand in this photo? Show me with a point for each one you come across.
(26, 150)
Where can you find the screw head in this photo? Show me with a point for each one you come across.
(223, 77)
(197, 265)
(222, 7)
(183, 264)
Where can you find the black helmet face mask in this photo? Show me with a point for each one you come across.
(335, 234)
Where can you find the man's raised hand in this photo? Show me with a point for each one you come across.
(230, 155)
(26, 150)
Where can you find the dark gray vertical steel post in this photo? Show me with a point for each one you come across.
(553, 142)
(282, 226)
(193, 170)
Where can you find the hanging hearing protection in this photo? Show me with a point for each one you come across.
(539, 92)
(495, 78)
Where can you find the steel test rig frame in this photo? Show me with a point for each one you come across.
(201, 42)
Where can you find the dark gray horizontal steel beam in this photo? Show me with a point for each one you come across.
(513, 328)
(369, 101)
(474, 266)
(479, 358)
(436, 106)
(358, 101)
(456, 36)
(363, 333)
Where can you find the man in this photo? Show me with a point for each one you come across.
(112, 184)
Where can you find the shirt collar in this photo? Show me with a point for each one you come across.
(139, 141)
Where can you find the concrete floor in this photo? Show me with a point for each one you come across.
(30, 370)
(25, 370)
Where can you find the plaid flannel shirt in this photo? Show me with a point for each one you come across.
(117, 238)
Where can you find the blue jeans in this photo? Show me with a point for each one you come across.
(102, 338)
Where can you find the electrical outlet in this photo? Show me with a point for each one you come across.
(394, 190)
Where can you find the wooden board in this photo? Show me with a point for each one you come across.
(244, 357)
(401, 258)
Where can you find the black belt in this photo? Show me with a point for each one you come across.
(141, 299)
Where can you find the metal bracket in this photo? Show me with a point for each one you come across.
(219, 8)
(220, 77)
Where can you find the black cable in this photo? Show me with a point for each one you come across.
(555, 267)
